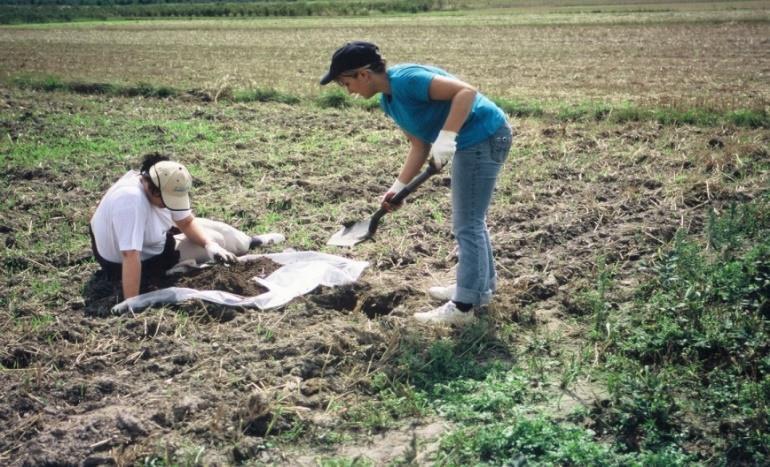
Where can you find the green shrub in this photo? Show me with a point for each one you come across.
(692, 364)
(523, 441)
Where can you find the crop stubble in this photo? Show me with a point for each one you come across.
(669, 58)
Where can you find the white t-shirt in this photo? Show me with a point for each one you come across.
(126, 220)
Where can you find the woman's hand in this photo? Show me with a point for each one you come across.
(392, 191)
(217, 253)
(443, 148)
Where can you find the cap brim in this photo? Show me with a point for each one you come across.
(327, 78)
(176, 202)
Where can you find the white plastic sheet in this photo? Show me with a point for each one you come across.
(300, 273)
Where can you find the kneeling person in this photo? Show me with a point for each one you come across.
(133, 234)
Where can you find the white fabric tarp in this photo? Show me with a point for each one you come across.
(300, 272)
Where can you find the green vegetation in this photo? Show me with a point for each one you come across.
(689, 365)
(630, 226)
(337, 98)
(13, 12)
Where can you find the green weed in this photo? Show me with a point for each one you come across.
(264, 95)
(334, 98)
(699, 332)
(520, 108)
(524, 440)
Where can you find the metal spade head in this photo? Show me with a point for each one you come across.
(351, 234)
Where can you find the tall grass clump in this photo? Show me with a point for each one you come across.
(749, 118)
(519, 108)
(334, 98)
(691, 365)
(264, 95)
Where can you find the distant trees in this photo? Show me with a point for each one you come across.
(36, 11)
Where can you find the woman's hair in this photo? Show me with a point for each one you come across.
(378, 67)
(150, 160)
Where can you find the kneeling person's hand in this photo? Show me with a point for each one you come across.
(217, 253)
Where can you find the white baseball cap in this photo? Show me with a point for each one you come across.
(174, 182)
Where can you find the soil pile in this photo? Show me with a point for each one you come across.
(101, 295)
(233, 278)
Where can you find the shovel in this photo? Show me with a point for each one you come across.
(356, 232)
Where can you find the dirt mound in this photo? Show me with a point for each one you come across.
(234, 278)
(101, 294)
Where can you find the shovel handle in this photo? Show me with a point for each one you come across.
(416, 182)
(398, 197)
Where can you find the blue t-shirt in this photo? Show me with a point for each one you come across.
(410, 106)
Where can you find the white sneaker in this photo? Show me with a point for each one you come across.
(266, 239)
(442, 293)
(446, 314)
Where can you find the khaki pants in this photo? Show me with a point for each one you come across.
(227, 236)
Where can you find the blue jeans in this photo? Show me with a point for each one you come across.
(474, 174)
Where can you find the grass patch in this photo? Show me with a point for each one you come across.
(337, 98)
(52, 83)
(520, 108)
(692, 364)
(687, 366)
(264, 95)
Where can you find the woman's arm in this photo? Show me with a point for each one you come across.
(418, 153)
(195, 234)
(460, 93)
(192, 231)
(131, 273)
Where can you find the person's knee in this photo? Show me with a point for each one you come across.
(215, 236)
(474, 231)
(226, 236)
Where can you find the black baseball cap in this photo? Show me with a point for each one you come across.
(350, 56)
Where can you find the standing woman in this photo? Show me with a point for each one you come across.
(442, 117)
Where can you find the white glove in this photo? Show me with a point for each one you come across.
(443, 148)
(266, 239)
(217, 253)
(393, 191)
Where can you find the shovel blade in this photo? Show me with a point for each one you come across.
(351, 234)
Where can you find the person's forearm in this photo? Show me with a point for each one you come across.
(131, 273)
(192, 231)
(418, 152)
(462, 102)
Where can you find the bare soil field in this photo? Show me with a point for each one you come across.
(692, 57)
(197, 384)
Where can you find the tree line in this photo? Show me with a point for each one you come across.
(41, 11)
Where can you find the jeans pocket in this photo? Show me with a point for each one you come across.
(501, 144)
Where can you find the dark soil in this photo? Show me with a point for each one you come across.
(101, 294)
(234, 278)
